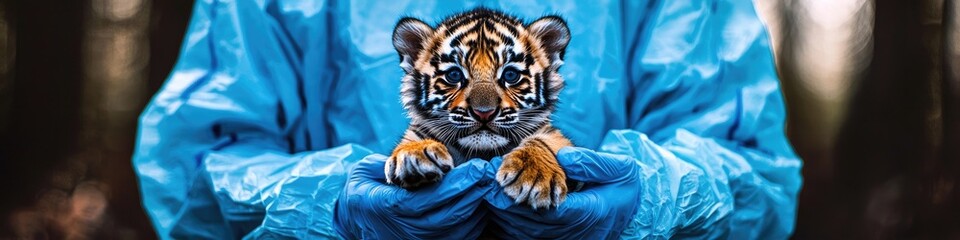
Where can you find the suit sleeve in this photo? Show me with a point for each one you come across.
(223, 140)
(707, 125)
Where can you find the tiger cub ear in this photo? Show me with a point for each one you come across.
(409, 38)
(553, 34)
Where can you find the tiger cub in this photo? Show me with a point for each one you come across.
(479, 85)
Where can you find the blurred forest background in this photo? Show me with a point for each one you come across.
(872, 88)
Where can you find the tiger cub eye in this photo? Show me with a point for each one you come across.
(454, 76)
(510, 76)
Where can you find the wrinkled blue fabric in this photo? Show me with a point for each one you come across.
(273, 102)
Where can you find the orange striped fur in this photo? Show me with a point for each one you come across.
(482, 84)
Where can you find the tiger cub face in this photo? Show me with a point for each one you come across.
(481, 81)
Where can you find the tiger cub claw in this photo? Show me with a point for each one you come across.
(532, 176)
(414, 164)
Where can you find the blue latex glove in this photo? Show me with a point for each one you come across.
(601, 210)
(369, 208)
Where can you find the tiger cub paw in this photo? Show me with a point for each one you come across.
(416, 163)
(531, 175)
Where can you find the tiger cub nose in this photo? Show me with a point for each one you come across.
(483, 114)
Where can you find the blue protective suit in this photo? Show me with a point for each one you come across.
(272, 102)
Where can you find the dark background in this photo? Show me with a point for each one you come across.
(62, 134)
(872, 88)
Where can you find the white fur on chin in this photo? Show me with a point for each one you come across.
(483, 140)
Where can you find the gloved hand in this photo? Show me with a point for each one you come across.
(368, 208)
(609, 199)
